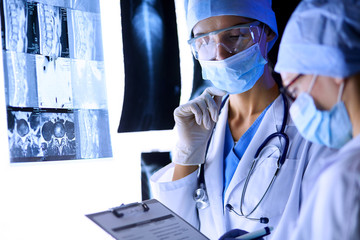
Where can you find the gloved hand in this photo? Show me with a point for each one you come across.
(194, 122)
(234, 233)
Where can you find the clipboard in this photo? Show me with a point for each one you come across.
(148, 220)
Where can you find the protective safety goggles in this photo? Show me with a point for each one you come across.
(291, 93)
(233, 39)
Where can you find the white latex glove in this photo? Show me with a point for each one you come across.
(194, 122)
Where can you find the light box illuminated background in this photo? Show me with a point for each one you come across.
(49, 199)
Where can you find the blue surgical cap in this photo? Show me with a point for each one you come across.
(322, 37)
(260, 10)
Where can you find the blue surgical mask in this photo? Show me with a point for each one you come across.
(332, 128)
(238, 73)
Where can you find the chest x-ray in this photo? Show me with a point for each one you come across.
(54, 80)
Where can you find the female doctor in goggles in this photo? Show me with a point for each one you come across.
(253, 160)
(319, 61)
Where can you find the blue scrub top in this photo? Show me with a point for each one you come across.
(234, 152)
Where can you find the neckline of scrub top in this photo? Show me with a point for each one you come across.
(234, 152)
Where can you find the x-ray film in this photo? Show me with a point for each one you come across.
(20, 79)
(94, 134)
(50, 135)
(36, 28)
(88, 82)
(41, 136)
(84, 37)
(54, 80)
(15, 12)
(50, 22)
(52, 75)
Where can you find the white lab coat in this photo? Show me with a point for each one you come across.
(282, 202)
(332, 210)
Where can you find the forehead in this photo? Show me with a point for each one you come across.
(218, 22)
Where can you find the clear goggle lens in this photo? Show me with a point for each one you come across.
(233, 39)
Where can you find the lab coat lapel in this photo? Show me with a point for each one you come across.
(214, 170)
(267, 127)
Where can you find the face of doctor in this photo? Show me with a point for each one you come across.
(324, 91)
(221, 22)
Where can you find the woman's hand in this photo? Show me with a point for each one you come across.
(194, 122)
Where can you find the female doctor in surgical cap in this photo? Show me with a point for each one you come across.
(243, 181)
(319, 61)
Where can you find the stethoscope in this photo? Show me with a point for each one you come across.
(200, 194)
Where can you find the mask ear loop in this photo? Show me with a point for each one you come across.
(262, 32)
(312, 83)
(341, 91)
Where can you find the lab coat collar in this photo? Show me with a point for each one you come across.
(214, 168)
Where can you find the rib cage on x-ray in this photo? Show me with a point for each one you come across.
(152, 70)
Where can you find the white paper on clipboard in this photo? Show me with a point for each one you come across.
(149, 220)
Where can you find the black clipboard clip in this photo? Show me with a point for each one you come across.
(117, 210)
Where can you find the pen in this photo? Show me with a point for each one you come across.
(259, 233)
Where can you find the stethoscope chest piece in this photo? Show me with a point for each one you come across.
(201, 198)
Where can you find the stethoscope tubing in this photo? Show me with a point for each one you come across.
(281, 160)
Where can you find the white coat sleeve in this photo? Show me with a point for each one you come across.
(176, 195)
